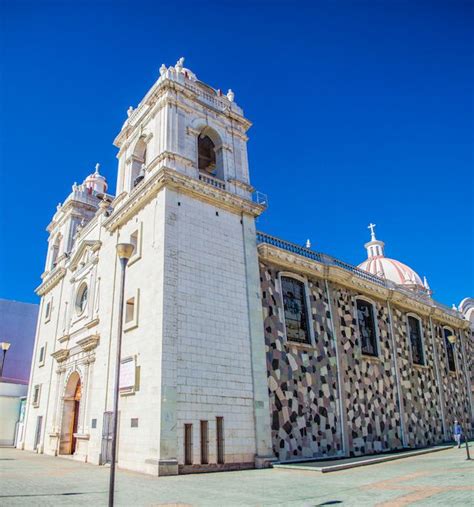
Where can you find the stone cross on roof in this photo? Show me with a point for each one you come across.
(372, 232)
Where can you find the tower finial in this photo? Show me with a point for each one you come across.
(97, 168)
(372, 231)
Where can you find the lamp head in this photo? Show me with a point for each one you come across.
(124, 251)
(452, 339)
(5, 346)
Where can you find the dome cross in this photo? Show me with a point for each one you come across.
(372, 232)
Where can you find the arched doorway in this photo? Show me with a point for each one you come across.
(71, 405)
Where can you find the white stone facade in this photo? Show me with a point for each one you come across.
(188, 333)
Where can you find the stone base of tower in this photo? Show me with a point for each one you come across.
(265, 461)
(161, 467)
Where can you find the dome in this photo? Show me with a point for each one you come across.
(391, 269)
(96, 182)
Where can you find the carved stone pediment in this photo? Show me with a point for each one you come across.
(81, 254)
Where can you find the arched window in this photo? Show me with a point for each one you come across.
(138, 163)
(367, 329)
(206, 154)
(416, 340)
(295, 310)
(81, 298)
(449, 349)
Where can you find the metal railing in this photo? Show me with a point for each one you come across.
(332, 261)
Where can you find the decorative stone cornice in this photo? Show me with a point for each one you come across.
(171, 156)
(64, 338)
(241, 184)
(60, 355)
(170, 178)
(338, 275)
(89, 343)
(50, 281)
(92, 323)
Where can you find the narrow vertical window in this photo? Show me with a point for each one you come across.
(188, 444)
(47, 316)
(416, 341)
(129, 309)
(449, 350)
(366, 322)
(204, 443)
(295, 309)
(220, 439)
(36, 395)
(42, 355)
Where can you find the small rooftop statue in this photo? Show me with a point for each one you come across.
(230, 95)
(163, 69)
(129, 111)
(180, 64)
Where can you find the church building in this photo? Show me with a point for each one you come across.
(239, 348)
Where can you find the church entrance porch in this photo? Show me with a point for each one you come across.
(70, 418)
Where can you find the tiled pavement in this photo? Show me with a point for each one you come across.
(441, 478)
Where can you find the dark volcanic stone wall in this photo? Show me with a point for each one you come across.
(369, 383)
(420, 394)
(302, 380)
(454, 384)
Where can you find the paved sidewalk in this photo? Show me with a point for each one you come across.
(441, 478)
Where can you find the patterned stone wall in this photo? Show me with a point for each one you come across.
(454, 384)
(302, 380)
(370, 392)
(420, 395)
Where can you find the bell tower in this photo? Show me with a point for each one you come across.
(183, 176)
(185, 125)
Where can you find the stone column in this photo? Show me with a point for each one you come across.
(442, 403)
(397, 378)
(263, 435)
(84, 397)
(336, 332)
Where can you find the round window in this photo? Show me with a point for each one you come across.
(81, 300)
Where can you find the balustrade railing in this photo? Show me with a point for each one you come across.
(332, 261)
(211, 180)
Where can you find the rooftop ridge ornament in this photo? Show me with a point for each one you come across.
(97, 166)
(371, 226)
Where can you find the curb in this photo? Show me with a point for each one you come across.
(371, 461)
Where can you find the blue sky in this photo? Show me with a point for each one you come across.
(362, 112)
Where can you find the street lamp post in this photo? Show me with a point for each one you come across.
(452, 339)
(5, 346)
(124, 252)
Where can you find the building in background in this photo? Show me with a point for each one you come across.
(17, 327)
(238, 348)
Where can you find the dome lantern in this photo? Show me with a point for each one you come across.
(96, 183)
(391, 269)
